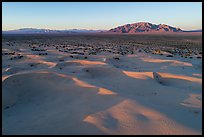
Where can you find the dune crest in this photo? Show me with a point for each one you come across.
(174, 62)
(103, 91)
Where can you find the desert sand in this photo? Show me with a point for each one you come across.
(58, 93)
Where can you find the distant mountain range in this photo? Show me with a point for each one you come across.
(128, 28)
(48, 31)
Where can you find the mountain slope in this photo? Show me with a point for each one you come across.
(144, 27)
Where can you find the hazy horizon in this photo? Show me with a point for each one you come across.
(99, 15)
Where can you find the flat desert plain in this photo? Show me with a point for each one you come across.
(102, 84)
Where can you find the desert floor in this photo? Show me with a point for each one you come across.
(107, 93)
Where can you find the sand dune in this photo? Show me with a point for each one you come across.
(178, 81)
(37, 92)
(129, 117)
(134, 94)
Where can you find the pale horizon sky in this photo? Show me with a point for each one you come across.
(99, 15)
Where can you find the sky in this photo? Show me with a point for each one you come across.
(99, 15)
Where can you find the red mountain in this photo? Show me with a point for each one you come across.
(144, 27)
